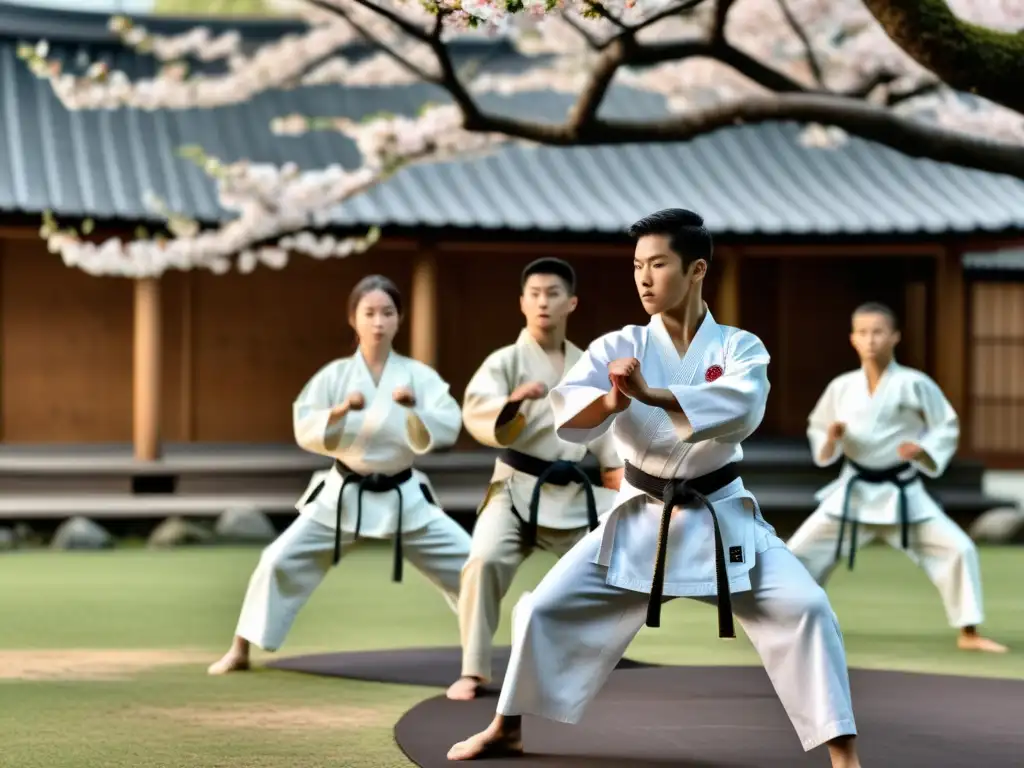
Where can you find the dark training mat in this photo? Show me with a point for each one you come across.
(435, 667)
(729, 717)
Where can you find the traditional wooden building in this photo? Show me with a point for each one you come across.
(803, 236)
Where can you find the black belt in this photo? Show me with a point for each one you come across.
(675, 492)
(875, 477)
(375, 483)
(555, 473)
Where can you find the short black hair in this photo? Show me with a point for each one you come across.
(550, 266)
(877, 308)
(687, 235)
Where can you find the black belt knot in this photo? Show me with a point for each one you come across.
(874, 477)
(558, 472)
(674, 492)
(375, 482)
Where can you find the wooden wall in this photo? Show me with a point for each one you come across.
(996, 370)
(801, 306)
(65, 350)
(238, 348)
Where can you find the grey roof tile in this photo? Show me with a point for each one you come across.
(749, 180)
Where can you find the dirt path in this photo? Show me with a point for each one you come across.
(89, 664)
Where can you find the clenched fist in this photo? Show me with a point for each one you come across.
(908, 451)
(531, 390)
(625, 376)
(404, 396)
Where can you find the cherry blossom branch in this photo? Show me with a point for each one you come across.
(969, 57)
(912, 137)
(276, 206)
(279, 64)
(798, 30)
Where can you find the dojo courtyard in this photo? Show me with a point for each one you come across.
(103, 655)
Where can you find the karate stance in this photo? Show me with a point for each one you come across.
(679, 394)
(538, 496)
(890, 423)
(372, 413)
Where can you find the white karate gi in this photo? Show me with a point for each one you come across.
(498, 547)
(383, 438)
(570, 633)
(907, 406)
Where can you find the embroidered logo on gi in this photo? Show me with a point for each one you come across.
(735, 554)
(712, 373)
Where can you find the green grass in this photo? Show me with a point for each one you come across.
(189, 599)
(214, 7)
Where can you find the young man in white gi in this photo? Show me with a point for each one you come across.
(890, 424)
(538, 495)
(679, 395)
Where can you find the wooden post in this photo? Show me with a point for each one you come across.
(949, 318)
(727, 298)
(423, 313)
(146, 370)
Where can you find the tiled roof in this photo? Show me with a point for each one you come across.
(750, 180)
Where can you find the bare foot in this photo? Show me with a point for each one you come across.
(500, 739)
(463, 689)
(230, 662)
(974, 642)
(235, 660)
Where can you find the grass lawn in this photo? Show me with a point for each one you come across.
(214, 7)
(103, 655)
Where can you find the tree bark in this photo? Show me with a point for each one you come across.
(909, 136)
(967, 57)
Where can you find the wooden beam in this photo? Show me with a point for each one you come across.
(787, 327)
(423, 314)
(950, 339)
(913, 348)
(825, 251)
(187, 381)
(727, 296)
(146, 370)
(513, 248)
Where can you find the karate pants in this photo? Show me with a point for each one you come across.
(572, 631)
(497, 551)
(938, 545)
(294, 565)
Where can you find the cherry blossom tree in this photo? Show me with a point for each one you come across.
(931, 78)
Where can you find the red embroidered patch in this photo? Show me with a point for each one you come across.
(712, 373)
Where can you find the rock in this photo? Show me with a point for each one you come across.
(8, 539)
(81, 533)
(246, 525)
(1003, 525)
(177, 532)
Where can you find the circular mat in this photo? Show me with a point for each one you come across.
(730, 717)
(435, 667)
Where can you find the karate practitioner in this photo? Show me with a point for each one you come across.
(891, 424)
(372, 413)
(505, 406)
(679, 394)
